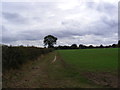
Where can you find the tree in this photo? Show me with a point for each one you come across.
(81, 46)
(119, 43)
(50, 41)
(114, 45)
(90, 46)
(74, 46)
(101, 46)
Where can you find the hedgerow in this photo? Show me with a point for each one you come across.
(14, 57)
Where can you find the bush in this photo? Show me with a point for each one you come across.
(14, 57)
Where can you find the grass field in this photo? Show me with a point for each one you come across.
(92, 59)
(99, 66)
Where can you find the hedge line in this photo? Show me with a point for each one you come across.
(14, 57)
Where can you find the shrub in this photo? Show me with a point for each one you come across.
(14, 57)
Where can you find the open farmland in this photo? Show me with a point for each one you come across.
(92, 59)
(81, 68)
(97, 65)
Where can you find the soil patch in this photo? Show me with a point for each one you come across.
(103, 78)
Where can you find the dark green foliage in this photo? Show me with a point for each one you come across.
(14, 57)
(50, 41)
(74, 46)
(119, 43)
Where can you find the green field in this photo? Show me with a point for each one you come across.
(99, 66)
(92, 59)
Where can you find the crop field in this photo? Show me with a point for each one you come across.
(100, 66)
(92, 59)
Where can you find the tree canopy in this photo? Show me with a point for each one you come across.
(50, 40)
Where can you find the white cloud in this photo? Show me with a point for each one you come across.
(71, 21)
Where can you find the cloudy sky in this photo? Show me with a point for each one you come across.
(71, 21)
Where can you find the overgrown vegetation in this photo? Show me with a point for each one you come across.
(14, 57)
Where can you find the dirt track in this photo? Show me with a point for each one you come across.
(54, 59)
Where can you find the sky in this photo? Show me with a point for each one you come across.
(88, 22)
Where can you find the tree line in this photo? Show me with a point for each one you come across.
(51, 40)
(81, 46)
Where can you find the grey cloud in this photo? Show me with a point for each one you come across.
(10, 36)
(42, 24)
(65, 33)
(91, 4)
(99, 28)
(107, 8)
(110, 22)
(102, 7)
(103, 27)
(14, 18)
(32, 35)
